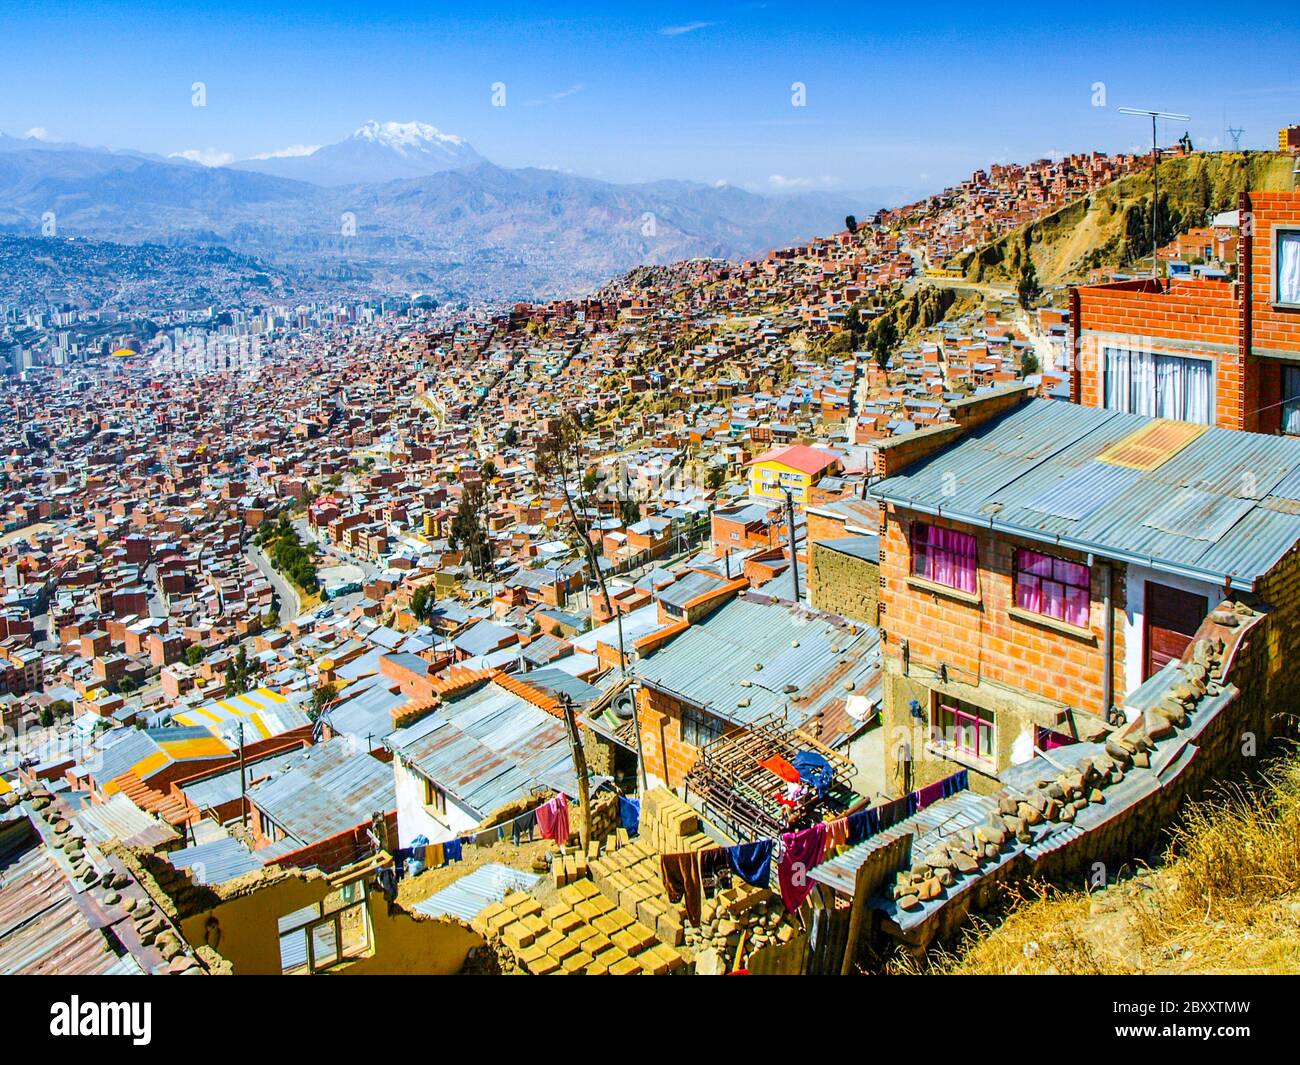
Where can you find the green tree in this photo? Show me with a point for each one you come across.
(489, 470)
(60, 708)
(469, 528)
(193, 654)
(1027, 287)
(510, 437)
(239, 672)
(882, 340)
(422, 603)
(45, 717)
(323, 695)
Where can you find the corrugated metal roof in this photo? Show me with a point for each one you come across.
(122, 820)
(43, 931)
(801, 653)
(1044, 453)
(475, 891)
(488, 748)
(214, 791)
(325, 790)
(215, 862)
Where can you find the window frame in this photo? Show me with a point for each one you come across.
(1275, 247)
(435, 799)
(696, 723)
(949, 742)
(1017, 572)
(1132, 404)
(928, 550)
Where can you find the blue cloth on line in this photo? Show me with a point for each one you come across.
(814, 771)
(863, 824)
(629, 813)
(752, 862)
(451, 849)
(959, 781)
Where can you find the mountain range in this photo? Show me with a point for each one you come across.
(401, 207)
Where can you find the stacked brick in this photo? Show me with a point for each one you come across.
(579, 932)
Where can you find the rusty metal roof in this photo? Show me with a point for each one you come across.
(43, 930)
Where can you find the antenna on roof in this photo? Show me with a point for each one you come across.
(1155, 175)
(1235, 133)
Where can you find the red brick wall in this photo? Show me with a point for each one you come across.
(1162, 316)
(983, 642)
(1263, 326)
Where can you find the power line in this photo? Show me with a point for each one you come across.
(1155, 175)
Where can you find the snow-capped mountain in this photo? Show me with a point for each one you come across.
(375, 153)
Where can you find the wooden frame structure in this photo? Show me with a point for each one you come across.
(739, 795)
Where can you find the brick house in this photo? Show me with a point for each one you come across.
(748, 658)
(1211, 352)
(1039, 567)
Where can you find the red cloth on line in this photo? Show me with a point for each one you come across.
(783, 769)
(553, 819)
(801, 852)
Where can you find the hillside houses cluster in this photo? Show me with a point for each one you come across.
(810, 605)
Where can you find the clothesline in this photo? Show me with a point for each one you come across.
(797, 853)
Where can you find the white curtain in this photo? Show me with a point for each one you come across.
(1291, 400)
(1171, 388)
(1196, 406)
(1119, 379)
(1159, 386)
(1183, 389)
(1288, 268)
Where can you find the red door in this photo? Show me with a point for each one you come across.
(1172, 618)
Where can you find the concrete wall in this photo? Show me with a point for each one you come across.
(414, 820)
(844, 585)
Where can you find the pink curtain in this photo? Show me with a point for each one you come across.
(944, 556)
(1052, 587)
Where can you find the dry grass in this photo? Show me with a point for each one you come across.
(1227, 900)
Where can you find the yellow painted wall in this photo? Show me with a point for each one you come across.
(247, 932)
(770, 479)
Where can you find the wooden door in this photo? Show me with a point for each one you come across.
(1172, 617)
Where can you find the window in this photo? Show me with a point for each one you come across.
(1052, 587)
(1291, 400)
(944, 556)
(698, 728)
(435, 798)
(1159, 386)
(1287, 266)
(964, 728)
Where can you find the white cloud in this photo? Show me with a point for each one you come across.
(39, 133)
(294, 151)
(784, 183)
(552, 96)
(689, 27)
(204, 156)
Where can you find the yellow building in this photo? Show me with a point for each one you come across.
(795, 469)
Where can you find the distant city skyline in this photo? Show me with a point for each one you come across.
(770, 97)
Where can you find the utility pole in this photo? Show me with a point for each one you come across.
(243, 780)
(794, 557)
(1155, 176)
(579, 769)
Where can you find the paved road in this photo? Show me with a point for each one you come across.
(289, 604)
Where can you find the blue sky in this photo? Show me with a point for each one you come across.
(912, 95)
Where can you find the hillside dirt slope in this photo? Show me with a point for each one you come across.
(1090, 232)
(1226, 899)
